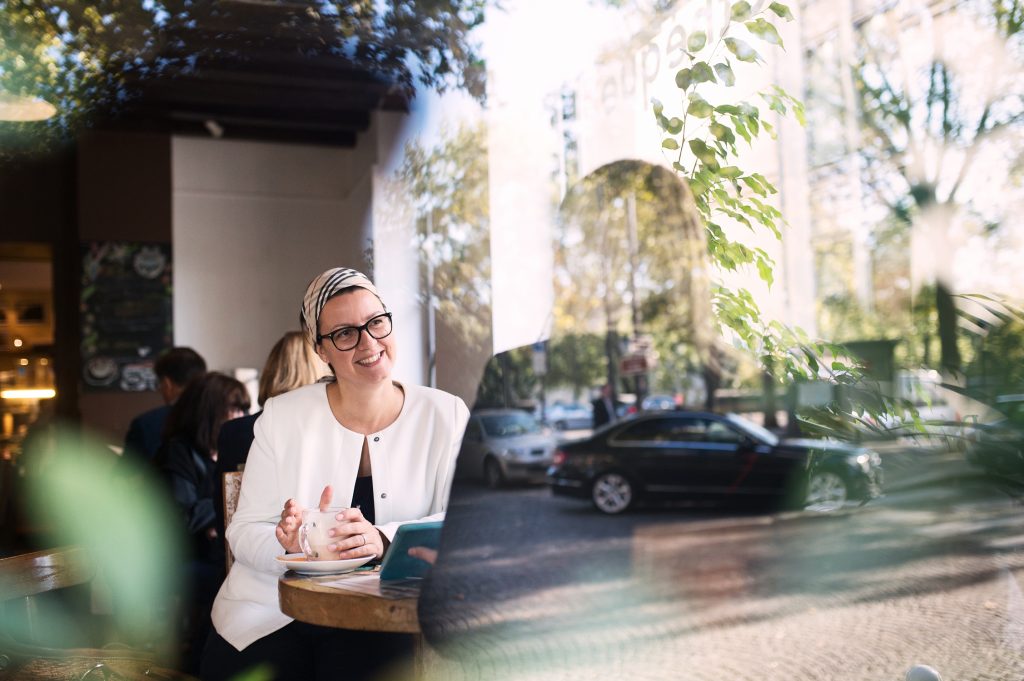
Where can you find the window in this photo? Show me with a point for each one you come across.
(664, 430)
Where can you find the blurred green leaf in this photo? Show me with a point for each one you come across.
(781, 11)
(702, 73)
(725, 74)
(740, 10)
(765, 31)
(696, 41)
(684, 77)
(742, 50)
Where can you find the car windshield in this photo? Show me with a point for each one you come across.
(511, 424)
(753, 430)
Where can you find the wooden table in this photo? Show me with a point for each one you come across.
(304, 598)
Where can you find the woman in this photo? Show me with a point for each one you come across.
(187, 458)
(189, 452)
(292, 363)
(386, 450)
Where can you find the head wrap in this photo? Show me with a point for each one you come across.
(322, 289)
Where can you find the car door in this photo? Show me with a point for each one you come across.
(737, 464)
(668, 454)
(471, 455)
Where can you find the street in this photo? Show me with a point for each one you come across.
(535, 587)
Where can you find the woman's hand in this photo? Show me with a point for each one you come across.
(357, 537)
(291, 519)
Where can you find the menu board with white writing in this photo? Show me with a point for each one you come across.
(126, 313)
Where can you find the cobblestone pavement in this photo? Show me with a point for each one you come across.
(535, 588)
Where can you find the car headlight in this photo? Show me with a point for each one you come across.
(867, 460)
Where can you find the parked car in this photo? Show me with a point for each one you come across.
(700, 456)
(658, 403)
(569, 415)
(505, 445)
(998, 446)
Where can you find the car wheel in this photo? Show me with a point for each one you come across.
(493, 477)
(612, 493)
(826, 491)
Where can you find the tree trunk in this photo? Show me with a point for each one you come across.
(946, 308)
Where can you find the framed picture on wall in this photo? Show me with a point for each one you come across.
(126, 307)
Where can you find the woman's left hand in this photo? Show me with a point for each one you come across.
(357, 537)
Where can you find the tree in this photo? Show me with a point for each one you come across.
(629, 259)
(928, 121)
(444, 190)
(87, 58)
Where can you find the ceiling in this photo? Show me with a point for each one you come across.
(261, 72)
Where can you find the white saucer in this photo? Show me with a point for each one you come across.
(298, 562)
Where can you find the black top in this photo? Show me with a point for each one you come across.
(362, 497)
(191, 477)
(145, 434)
(233, 443)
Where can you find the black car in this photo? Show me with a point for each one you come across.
(700, 456)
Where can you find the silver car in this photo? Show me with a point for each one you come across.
(505, 445)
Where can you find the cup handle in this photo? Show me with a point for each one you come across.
(304, 541)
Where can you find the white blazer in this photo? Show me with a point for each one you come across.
(298, 448)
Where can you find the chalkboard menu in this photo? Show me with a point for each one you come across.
(126, 313)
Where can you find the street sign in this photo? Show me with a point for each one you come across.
(633, 365)
(540, 359)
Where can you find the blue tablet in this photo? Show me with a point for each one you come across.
(398, 564)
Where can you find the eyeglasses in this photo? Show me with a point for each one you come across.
(347, 337)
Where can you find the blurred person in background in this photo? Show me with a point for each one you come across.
(187, 459)
(292, 363)
(175, 369)
(604, 407)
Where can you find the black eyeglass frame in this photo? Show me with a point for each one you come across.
(359, 331)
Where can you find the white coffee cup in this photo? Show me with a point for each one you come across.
(314, 534)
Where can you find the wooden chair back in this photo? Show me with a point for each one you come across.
(232, 486)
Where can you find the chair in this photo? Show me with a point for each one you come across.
(232, 486)
(23, 579)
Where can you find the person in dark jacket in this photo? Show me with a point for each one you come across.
(292, 363)
(604, 407)
(175, 369)
(187, 459)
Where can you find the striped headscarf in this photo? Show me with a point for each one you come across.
(325, 286)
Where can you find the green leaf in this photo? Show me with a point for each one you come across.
(741, 10)
(754, 185)
(741, 128)
(781, 11)
(705, 153)
(683, 78)
(731, 172)
(696, 41)
(731, 109)
(702, 73)
(669, 143)
(658, 106)
(725, 74)
(699, 107)
(765, 31)
(722, 133)
(764, 270)
(674, 125)
(742, 50)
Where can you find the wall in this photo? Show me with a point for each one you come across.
(253, 223)
(124, 193)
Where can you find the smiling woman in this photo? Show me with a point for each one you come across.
(383, 451)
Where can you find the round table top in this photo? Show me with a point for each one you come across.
(306, 599)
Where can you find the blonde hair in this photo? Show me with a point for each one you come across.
(292, 364)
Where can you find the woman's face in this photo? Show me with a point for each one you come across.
(372, 359)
